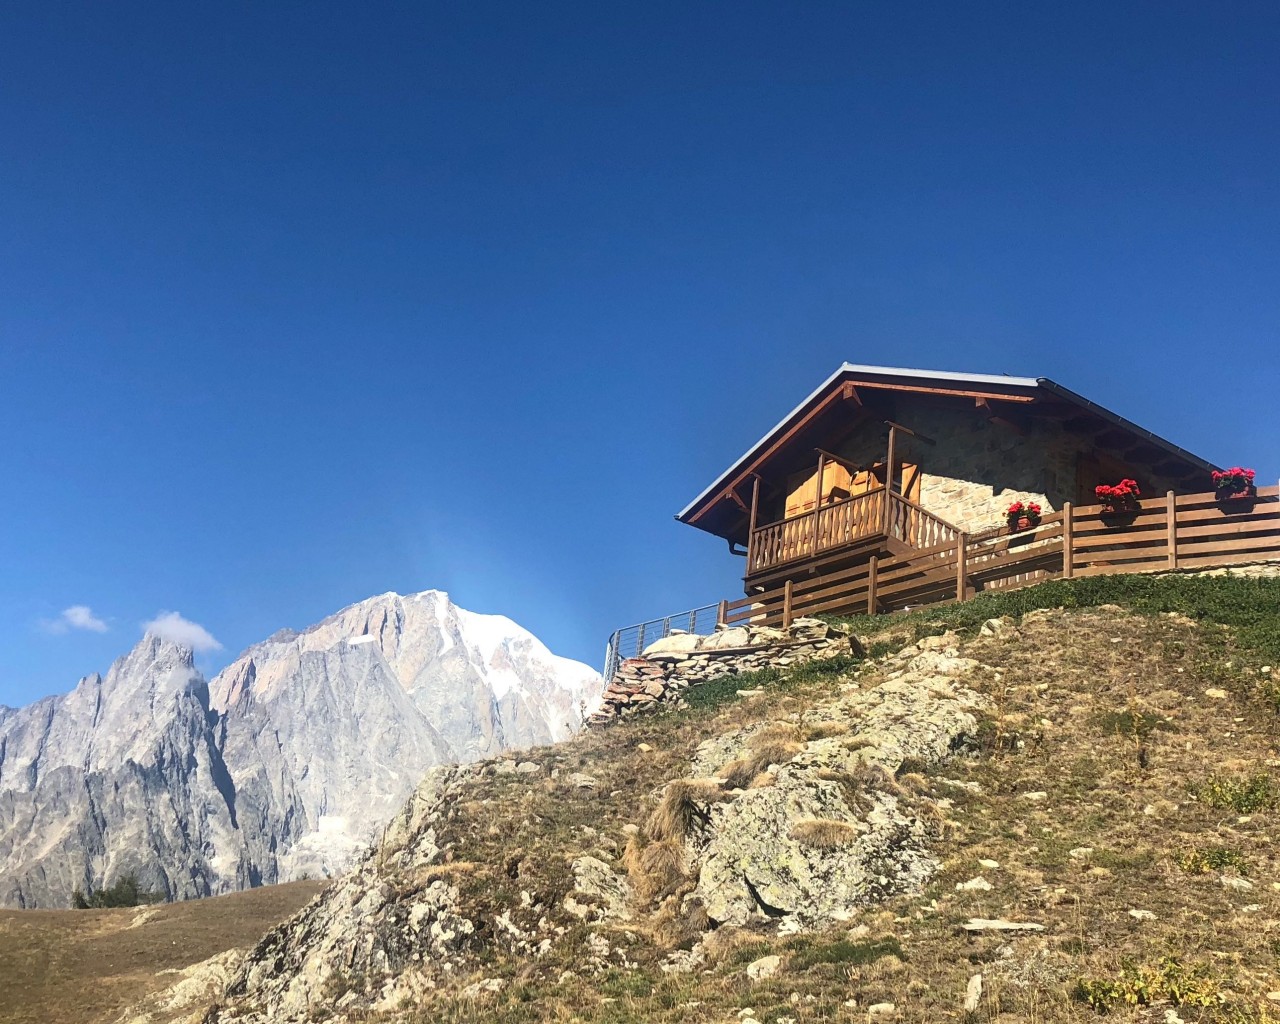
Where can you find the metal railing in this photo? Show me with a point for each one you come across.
(630, 641)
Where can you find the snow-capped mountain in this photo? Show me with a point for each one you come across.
(284, 764)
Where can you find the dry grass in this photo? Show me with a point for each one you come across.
(825, 730)
(760, 755)
(824, 833)
(655, 869)
(86, 966)
(683, 808)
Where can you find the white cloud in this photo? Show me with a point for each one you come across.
(172, 626)
(78, 616)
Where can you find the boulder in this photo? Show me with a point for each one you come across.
(735, 636)
(608, 892)
(676, 643)
(765, 967)
(765, 635)
(808, 629)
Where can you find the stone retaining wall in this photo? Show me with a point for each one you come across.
(667, 668)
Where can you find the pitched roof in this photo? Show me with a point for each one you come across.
(947, 382)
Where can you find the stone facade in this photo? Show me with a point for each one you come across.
(670, 666)
(977, 468)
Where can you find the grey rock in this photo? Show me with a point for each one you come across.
(608, 892)
(765, 967)
(973, 994)
(734, 636)
(676, 643)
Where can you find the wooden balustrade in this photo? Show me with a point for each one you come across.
(823, 529)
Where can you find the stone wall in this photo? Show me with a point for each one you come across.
(659, 677)
(978, 468)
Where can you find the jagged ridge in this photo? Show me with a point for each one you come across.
(285, 764)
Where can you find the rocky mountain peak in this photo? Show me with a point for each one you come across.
(285, 763)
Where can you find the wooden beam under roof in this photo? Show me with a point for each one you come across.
(994, 396)
(993, 417)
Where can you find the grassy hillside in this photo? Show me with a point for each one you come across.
(86, 966)
(1122, 794)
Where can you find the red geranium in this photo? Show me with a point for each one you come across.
(1235, 480)
(1123, 495)
(1020, 509)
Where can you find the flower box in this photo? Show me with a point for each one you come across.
(1118, 499)
(1234, 484)
(1023, 515)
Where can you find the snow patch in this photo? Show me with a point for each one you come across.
(355, 641)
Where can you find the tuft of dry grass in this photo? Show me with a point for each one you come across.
(825, 730)
(824, 833)
(657, 870)
(740, 773)
(680, 922)
(683, 808)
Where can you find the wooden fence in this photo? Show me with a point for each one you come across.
(1188, 531)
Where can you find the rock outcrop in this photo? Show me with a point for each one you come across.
(797, 841)
(286, 764)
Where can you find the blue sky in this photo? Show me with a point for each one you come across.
(300, 303)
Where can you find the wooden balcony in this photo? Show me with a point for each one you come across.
(877, 519)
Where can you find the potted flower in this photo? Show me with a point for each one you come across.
(1234, 483)
(1023, 515)
(1118, 498)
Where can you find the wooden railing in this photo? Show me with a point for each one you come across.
(842, 524)
(1172, 532)
(917, 526)
(826, 528)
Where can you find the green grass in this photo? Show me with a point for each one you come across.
(725, 689)
(1251, 606)
(1217, 858)
(844, 951)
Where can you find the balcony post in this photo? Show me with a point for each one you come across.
(1068, 539)
(817, 503)
(890, 456)
(751, 526)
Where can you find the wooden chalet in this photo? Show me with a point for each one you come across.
(889, 488)
(881, 463)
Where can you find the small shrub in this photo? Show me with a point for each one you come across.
(1244, 795)
(127, 892)
(1201, 862)
(1167, 980)
(881, 649)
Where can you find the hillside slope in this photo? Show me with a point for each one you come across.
(86, 966)
(1044, 815)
